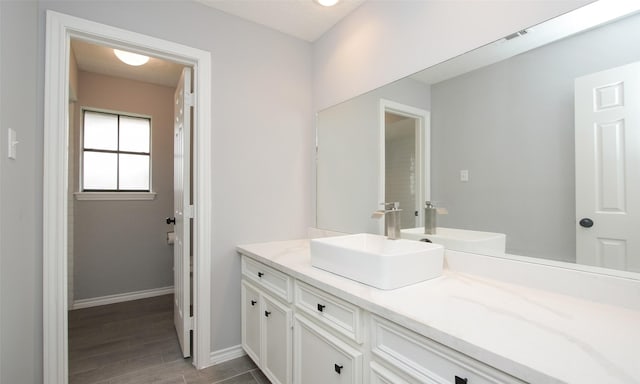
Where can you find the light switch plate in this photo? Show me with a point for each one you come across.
(11, 144)
(464, 175)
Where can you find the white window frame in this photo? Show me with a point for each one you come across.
(83, 195)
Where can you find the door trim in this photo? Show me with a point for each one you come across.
(59, 29)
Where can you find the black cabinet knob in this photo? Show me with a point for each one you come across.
(321, 307)
(253, 302)
(586, 222)
(266, 313)
(170, 220)
(260, 274)
(460, 380)
(337, 368)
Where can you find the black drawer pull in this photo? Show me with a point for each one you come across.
(337, 368)
(321, 307)
(253, 302)
(460, 380)
(260, 274)
(266, 313)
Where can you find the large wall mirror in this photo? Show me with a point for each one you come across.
(499, 145)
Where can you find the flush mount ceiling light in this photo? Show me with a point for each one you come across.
(131, 58)
(327, 3)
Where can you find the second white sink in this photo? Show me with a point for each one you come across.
(485, 243)
(377, 261)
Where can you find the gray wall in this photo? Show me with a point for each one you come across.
(383, 41)
(21, 193)
(120, 246)
(349, 157)
(262, 130)
(511, 125)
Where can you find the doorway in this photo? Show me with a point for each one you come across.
(60, 29)
(405, 160)
(121, 125)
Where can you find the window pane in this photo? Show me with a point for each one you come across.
(100, 131)
(134, 134)
(134, 172)
(100, 171)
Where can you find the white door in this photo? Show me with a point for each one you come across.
(182, 211)
(607, 129)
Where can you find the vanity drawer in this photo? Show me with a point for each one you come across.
(276, 282)
(427, 360)
(336, 313)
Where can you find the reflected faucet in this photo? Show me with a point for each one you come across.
(391, 213)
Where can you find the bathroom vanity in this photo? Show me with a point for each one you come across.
(485, 320)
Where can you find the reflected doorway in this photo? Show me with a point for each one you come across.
(406, 155)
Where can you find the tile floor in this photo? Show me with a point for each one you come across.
(134, 343)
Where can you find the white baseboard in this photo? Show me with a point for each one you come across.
(120, 297)
(226, 354)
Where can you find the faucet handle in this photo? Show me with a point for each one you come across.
(391, 206)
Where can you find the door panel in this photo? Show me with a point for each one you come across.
(182, 212)
(251, 322)
(276, 355)
(321, 358)
(607, 136)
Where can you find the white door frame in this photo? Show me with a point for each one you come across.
(59, 30)
(423, 147)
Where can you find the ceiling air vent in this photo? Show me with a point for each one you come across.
(516, 34)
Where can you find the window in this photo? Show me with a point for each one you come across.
(116, 153)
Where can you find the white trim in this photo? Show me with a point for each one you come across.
(423, 143)
(115, 195)
(1, 124)
(226, 354)
(59, 29)
(120, 297)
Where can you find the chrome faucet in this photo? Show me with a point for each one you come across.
(391, 213)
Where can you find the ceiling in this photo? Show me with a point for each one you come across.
(304, 19)
(101, 59)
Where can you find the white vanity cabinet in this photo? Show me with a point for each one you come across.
(327, 338)
(251, 306)
(297, 333)
(267, 320)
(322, 358)
(422, 360)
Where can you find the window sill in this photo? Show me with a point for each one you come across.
(120, 196)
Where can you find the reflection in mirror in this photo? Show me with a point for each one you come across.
(406, 154)
(512, 125)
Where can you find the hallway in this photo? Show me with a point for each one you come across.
(135, 342)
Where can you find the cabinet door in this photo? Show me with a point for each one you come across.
(276, 341)
(381, 375)
(251, 304)
(321, 358)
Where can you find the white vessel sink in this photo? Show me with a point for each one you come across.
(486, 243)
(377, 261)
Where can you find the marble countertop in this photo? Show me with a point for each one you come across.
(535, 335)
